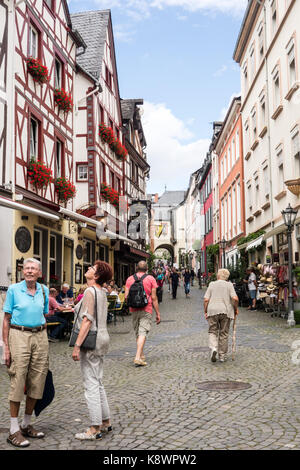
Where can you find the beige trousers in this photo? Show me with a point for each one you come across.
(218, 333)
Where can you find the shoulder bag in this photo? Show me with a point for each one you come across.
(90, 340)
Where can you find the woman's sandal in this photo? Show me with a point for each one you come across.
(31, 432)
(17, 440)
(86, 436)
(106, 429)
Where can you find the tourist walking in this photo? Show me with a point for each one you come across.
(174, 279)
(92, 311)
(26, 349)
(187, 282)
(160, 283)
(220, 307)
(140, 289)
(192, 276)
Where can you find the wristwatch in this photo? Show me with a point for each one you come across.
(77, 345)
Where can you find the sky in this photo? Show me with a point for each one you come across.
(177, 56)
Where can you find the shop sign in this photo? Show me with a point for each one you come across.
(56, 225)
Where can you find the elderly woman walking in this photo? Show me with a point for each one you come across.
(94, 302)
(220, 307)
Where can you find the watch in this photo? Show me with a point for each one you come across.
(77, 345)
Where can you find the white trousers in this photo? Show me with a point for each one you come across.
(92, 373)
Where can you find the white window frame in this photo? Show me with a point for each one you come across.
(38, 256)
(33, 41)
(82, 170)
(34, 138)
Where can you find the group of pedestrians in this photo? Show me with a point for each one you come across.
(26, 347)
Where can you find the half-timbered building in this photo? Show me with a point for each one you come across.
(37, 66)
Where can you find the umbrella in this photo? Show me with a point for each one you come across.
(48, 395)
(234, 338)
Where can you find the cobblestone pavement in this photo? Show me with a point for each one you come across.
(161, 407)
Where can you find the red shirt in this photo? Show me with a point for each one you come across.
(149, 283)
(53, 305)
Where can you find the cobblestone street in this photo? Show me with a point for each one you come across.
(161, 406)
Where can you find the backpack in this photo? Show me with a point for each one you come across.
(137, 297)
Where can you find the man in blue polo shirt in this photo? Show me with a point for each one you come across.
(26, 348)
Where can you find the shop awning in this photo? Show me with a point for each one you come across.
(5, 202)
(141, 253)
(258, 241)
(275, 231)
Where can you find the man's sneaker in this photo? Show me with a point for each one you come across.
(213, 355)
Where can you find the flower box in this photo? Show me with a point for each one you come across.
(107, 135)
(38, 174)
(38, 71)
(65, 189)
(63, 99)
(110, 194)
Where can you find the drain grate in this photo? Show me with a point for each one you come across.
(223, 386)
(199, 349)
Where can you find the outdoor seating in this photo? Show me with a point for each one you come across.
(111, 304)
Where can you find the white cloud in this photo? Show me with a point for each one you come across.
(173, 152)
(221, 71)
(122, 34)
(139, 9)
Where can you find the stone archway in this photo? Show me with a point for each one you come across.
(167, 247)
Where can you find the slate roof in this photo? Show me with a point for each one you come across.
(92, 26)
(128, 107)
(172, 198)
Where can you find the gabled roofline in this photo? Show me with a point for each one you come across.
(247, 24)
(235, 102)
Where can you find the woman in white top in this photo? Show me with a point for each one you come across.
(220, 307)
(91, 361)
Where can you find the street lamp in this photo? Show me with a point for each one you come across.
(289, 217)
(223, 244)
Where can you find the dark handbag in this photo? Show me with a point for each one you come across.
(90, 340)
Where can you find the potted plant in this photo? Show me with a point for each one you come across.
(107, 135)
(64, 188)
(110, 194)
(63, 100)
(38, 174)
(37, 70)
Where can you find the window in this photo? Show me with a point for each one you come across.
(118, 185)
(52, 257)
(222, 172)
(245, 70)
(274, 16)
(295, 142)
(263, 110)
(249, 196)
(37, 244)
(256, 188)
(103, 172)
(254, 124)
(237, 145)
(292, 65)
(239, 208)
(59, 159)
(58, 76)
(261, 42)
(252, 62)
(279, 154)
(88, 252)
(33, 42)
(34, 138)
(266, 180)
(111, 179)
(82, 172)
(225, 167)
(101, 114)
(108, 77)
(276, 84)
(233, 151)
(247, 135)
(234, 232)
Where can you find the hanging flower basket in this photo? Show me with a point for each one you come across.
(65, 189)
(38, 174)
(63, 100)
(110, 194)
(38, 71)
(107, 135)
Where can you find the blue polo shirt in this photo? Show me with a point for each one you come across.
(26, 309)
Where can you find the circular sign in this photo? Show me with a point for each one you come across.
(79, 251)
(23, 239)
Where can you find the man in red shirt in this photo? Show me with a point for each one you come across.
(142, 317)
(53, 317)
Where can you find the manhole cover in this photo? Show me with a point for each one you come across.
(199, 349)
(167, 321)
(225, 385)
